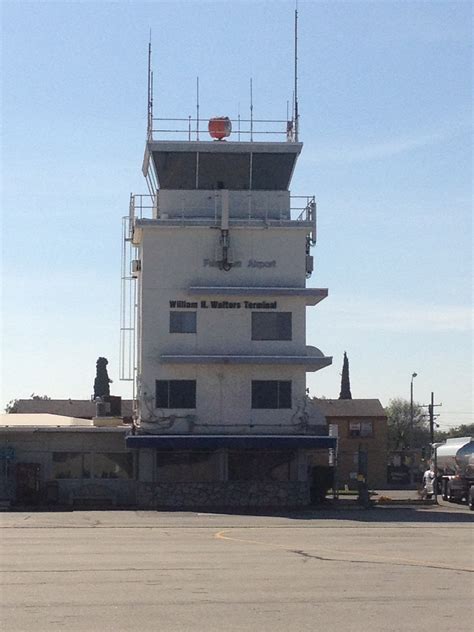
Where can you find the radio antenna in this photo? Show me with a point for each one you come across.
(251, 109)
(150, 94)
(197, 108)
(296, 74)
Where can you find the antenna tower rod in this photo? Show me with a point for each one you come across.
(197, 108)
(296, 74)
(251, 110)
(150, 94)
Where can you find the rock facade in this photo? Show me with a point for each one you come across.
(239, 494)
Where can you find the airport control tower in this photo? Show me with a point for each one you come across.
(221, 253)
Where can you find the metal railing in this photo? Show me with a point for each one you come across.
(302, 209)
(242, 128)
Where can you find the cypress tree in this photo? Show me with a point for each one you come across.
(345, 381)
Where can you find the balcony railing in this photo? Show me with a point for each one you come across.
(144, 206)
(302, 209)
(243, 129)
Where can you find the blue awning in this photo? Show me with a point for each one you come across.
(237, 442)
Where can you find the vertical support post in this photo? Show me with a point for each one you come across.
(250, 184)
(412, 414)
(431, 412)
(296, 76)
(197, 108)
(251, 110)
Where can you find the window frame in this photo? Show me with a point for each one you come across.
(278, 384)
(256, 315)
(187, 461)
(358, 434)
(173, 329)
(85, 465)
(128, 471)
(170, 396)
(256, 465)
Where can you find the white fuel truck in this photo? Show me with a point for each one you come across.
(455, 470)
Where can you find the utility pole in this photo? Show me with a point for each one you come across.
(412, 457)
(431, 408)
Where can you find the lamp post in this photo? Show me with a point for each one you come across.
(413, 375)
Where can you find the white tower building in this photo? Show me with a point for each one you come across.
(222, 254)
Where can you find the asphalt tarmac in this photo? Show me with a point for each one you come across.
(382, 569)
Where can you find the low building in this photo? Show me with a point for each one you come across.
(361, 428)
(53, 459)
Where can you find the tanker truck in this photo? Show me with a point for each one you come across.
(455, 470)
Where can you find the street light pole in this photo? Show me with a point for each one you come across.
(413, 375)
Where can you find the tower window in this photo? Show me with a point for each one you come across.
(175, 394)
(182, 322)
(271, 394)
(271, 325)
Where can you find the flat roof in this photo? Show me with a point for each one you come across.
(45, 420)
(50, 423)
(350, 407)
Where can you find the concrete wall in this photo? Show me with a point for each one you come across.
(223, 398)
(201, 203)
(175, 258)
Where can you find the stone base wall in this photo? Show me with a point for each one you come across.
(230, 494)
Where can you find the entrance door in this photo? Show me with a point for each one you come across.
(27, 482)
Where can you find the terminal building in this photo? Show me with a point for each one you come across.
(220, 253)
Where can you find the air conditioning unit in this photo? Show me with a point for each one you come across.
(136, 266)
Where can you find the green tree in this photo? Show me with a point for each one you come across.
(345, 381)
(463, 430)
(399, 425)
(12, 406)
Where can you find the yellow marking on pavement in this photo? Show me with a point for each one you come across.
(368, 558)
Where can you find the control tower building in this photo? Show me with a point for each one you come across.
(216, 331)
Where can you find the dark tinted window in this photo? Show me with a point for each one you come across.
(271, 325)
(175, 393)
(271, 394)
(182, 322)
(261, 465)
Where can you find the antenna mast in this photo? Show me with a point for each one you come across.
(150, 95)
(296, 75)
(251, 110)
(197, 108)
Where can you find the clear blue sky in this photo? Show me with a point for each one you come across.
(385, 104)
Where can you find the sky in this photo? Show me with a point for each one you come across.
(385, 116)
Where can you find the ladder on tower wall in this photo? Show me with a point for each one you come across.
(128, 304)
